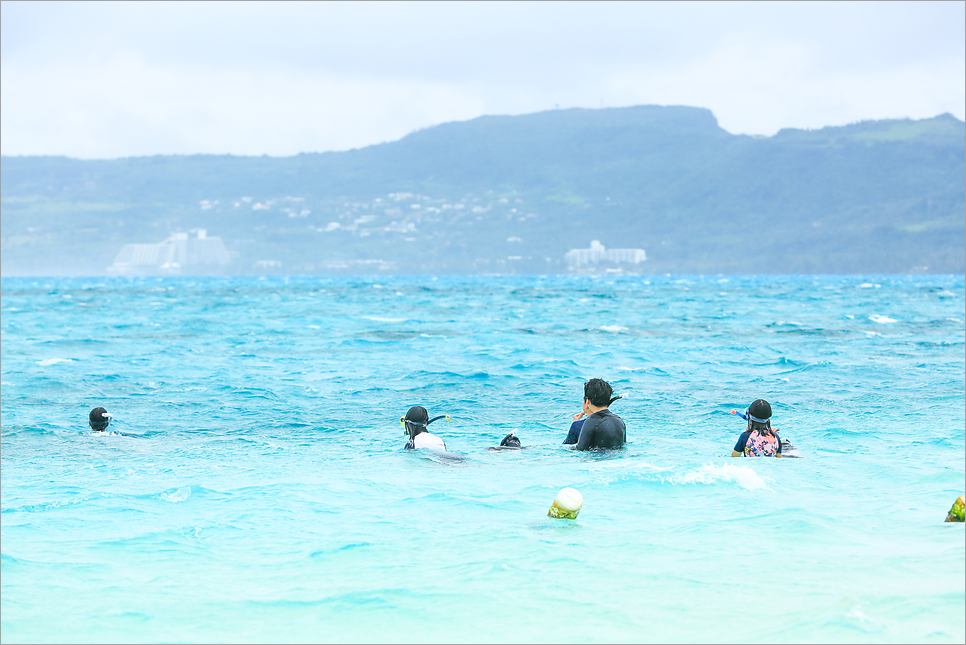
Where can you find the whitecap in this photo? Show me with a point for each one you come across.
(53, 361)
(882, 320)
(869, 285)
(743, 476)
(178, 495)
(614, 329)
(382, 319)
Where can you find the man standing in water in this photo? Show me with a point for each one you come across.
(602, 428)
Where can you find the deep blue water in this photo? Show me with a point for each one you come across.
(263, 494)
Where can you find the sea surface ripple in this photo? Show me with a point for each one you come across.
(253, 487)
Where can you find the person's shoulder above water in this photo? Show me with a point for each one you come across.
(759, 439)
(602, 428)
(415, 422)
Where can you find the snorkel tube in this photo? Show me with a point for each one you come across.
(740, 414)
(413, 428)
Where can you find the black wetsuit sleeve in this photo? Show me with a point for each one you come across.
(779, 444)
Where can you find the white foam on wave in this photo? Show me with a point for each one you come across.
(613, 329)
(53, 361)
(882, 320)
(869, 285)
(383, 319)
(176, 496)
(743, 476)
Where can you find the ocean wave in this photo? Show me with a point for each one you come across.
(53, 361)
(743, 476)
(613, 329)
(882, 320)
(177, 494)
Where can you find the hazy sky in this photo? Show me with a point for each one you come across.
(115, 79)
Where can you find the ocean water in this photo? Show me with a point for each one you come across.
(253, 487)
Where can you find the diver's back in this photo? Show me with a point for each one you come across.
(429, 441)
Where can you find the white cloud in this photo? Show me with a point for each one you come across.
(117, 79)
(129, 108)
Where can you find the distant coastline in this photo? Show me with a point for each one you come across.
(514, 195)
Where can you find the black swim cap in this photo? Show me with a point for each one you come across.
(759, 410)
(510, 441)
(418, 414)
(99, 419)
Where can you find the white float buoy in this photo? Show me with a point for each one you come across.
(567, 504)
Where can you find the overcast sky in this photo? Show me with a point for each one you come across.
(117, 79)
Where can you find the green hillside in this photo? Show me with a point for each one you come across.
(502, 194)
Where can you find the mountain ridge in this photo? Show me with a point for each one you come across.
(872, 197)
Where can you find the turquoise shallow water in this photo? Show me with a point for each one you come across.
(265, 495)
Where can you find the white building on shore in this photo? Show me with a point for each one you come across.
(589, 259)
(176, 254)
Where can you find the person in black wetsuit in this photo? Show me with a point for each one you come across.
(602, 428)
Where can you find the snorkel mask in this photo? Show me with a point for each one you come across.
(413, 428)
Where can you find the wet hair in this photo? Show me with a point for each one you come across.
(599, 393)
(415, 420)
(418, 414)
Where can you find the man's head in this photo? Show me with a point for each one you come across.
(598, 392)
(99, 419)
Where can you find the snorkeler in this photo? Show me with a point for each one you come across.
(99, 419)
(510, 442)
(415, 422)
(602, 428)
(759, 439)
